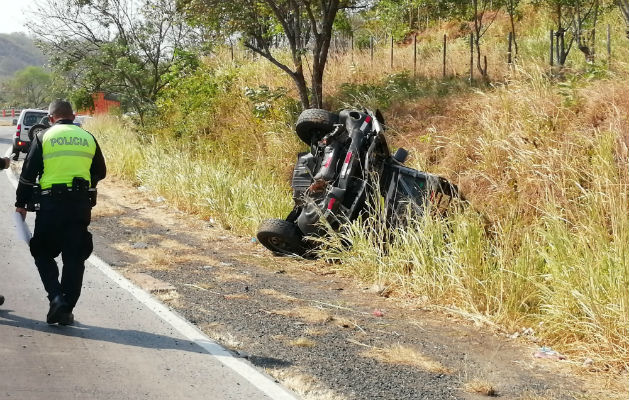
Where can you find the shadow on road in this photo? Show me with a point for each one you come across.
(129, 337)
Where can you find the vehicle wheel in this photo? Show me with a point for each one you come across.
(281, 237)
(401, 155)
(314, 123)
(35, 129)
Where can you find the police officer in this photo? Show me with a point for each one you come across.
(4, 163)
(68, 162)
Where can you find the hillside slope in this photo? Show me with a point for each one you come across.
(18, 51)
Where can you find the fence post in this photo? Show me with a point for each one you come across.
(608, 49)
(551, 47)
(232, 51)
(371, 49)
(4, 113)
(415, 53)
(444, 57)
(391, 53)
(471, 58)
(352, 47)
(510, 47)
(13, 112)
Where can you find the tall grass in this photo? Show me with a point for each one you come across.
(193, 178)
(541, 154)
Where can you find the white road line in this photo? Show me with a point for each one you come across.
(191, 332)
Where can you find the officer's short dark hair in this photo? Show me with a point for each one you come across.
(61, 109)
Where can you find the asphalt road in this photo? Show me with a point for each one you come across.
(123, 345)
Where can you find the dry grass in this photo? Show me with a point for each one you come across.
(221, 334)
(480, 386)
(403, 355)
(309, 314)
(538, 396)
(277, 295)
(305, 386)
(166, 296)
(175, 245)
(106, 210)
(224, 276)
(312, 331)
(156, 258)
(132, 222)
(302, 342)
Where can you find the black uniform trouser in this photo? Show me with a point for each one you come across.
(61, 228)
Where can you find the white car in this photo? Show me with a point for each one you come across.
(28, 117)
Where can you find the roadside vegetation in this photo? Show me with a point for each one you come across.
(540, 153)
(542, 156)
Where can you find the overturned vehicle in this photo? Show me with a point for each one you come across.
(334, 180)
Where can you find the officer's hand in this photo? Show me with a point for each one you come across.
(21, 211)
(6, 162)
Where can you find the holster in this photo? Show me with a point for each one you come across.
(92, 193)
(33, 204)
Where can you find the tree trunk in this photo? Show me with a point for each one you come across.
(478, 51)
(477, 32)
(318, 85)
(512, 10)
(561, 56)
(623, 7)
(300, 83)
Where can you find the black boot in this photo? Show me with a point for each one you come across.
(59, 312)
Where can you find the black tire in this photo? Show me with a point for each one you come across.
(35, 129)
(281, 237)
(314, 123)
(401, 155)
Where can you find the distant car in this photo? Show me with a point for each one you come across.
(26, 120)
(79, 120)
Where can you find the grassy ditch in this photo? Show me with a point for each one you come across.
(542, 156)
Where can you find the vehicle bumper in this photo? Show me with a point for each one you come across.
(21, 145)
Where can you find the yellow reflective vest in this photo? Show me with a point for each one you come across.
(67, 152)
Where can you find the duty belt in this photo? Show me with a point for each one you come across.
(49, 192)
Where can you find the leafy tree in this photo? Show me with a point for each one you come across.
(29, 87)
(512, 6)
(576, 21)
(623, 7)
(304, 25)
(119, 46)
(392, 15)
(479, 9)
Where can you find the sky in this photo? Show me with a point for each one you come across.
(12, 18)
